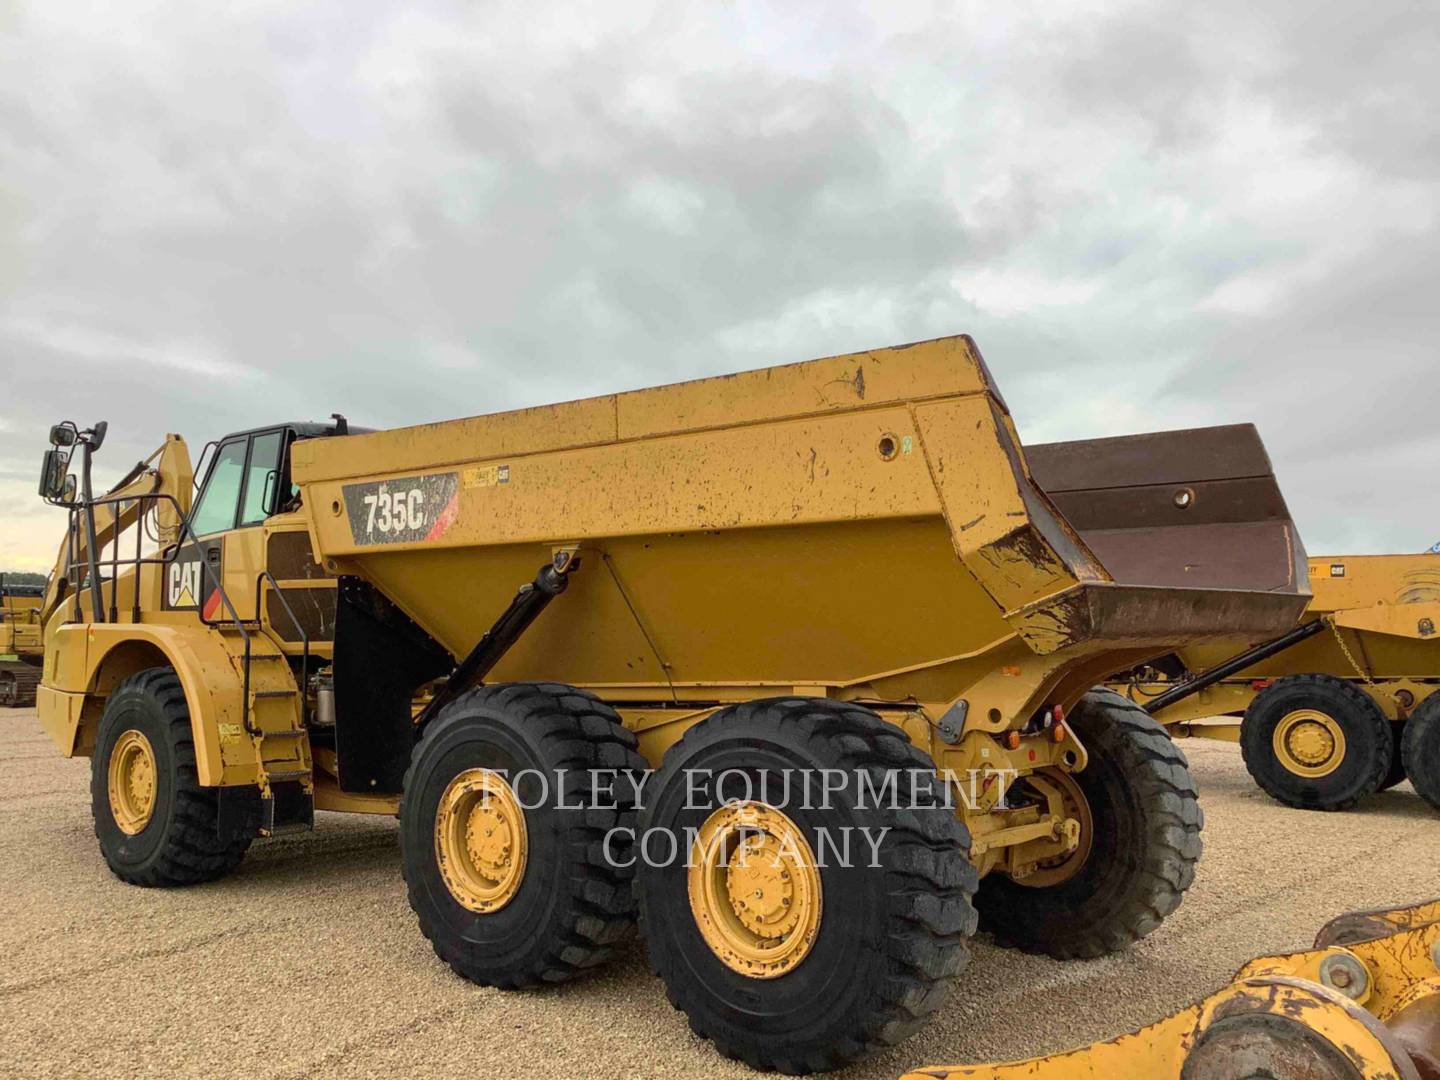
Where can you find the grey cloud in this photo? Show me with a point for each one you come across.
(1149, 216)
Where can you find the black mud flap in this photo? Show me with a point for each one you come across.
(243, 813)
(237, 815)
(290, 808)
(381, 658)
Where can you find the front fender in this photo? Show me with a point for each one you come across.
(86, 661)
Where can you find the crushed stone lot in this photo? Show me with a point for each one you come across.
(307, 962)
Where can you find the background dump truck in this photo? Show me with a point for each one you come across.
(839, 567)
(21, 650)
(1336, 708)
(1343, 706)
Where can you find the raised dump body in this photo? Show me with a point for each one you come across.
(1198, 508)
(863, 523)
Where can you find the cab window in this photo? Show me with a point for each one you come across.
(262, 478)
(215, 510)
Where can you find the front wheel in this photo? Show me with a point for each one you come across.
(155, 823)
(1133, 868)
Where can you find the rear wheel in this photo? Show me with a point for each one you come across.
(1142, 815)
(155, 823)
(1421, 749)
(515, 830)
(809, 927)
(1316, 742)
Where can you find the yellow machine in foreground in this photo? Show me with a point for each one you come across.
(21, 650)
(1344, 706)
(826, 603)
(1363, 1004)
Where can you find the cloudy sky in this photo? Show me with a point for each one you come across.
(1149, 215)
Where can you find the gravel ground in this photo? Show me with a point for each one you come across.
(307, 962)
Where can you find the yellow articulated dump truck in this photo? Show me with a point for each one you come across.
(21, 650)
(794, 668)
(1343, 706)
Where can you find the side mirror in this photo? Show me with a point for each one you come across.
(53, 469)
(268, 495)
(62, 435)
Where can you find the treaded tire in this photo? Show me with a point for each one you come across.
(891, 940)
(1369, 742)
(18, 682)
(1421, 749)
(180, 845)
(1397, 773)
(1146, 844)
(574, 902)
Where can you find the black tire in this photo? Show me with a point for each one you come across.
(180, 845)
(18, 683)
(573, 903)
(1369, 742)
(1397, 772)
(1421, 749)
(1144, 848)
(891, 939)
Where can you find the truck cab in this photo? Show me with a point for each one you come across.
(244, 525)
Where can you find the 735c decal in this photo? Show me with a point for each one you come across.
(402, 510)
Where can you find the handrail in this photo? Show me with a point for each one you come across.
(167, 557)
(279, 593)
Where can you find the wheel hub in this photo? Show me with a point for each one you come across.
(1063, 794)
(1309, 743)
(755, 890)
(480, 840)
(761, 890)
(132, 775)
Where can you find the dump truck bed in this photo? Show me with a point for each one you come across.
(866, 519)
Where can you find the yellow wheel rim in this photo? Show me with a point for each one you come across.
(1309, 743)
(755, 890)
(480, 841)
(132, 775)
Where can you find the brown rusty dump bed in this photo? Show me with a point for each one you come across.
(863, 521)
(1193, 509)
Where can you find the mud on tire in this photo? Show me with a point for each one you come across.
(1146, 844)
(575, 900)
(180, 845)
(891, 938)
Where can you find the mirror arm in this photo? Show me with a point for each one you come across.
(92, 557)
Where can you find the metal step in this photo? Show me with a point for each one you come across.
(280, 776)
